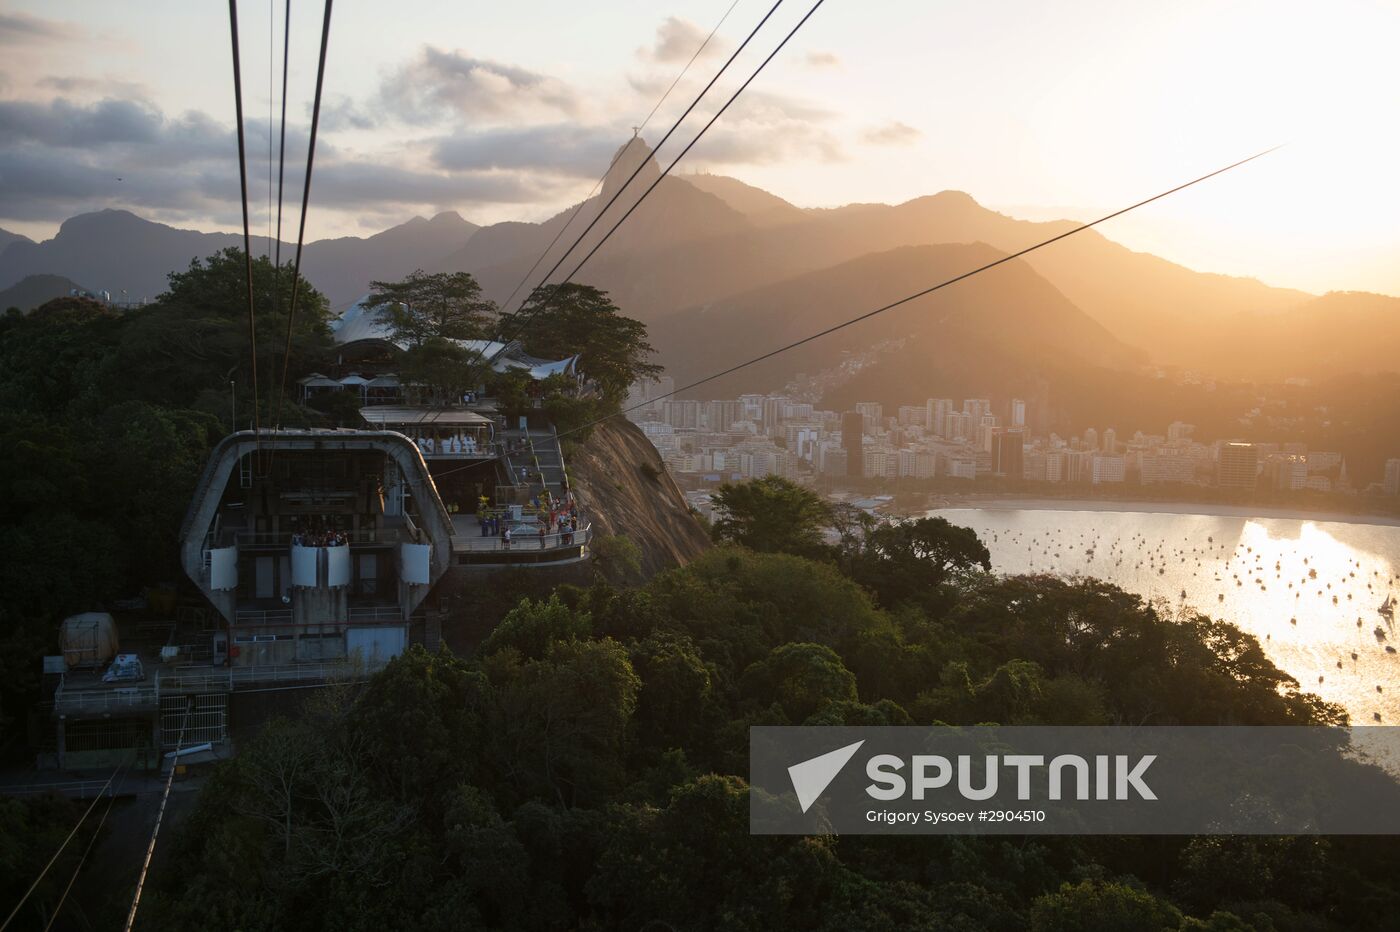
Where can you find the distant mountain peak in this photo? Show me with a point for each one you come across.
(8, 238)
(758, 205)
(109, 218)
(632, 153)
(950, 199)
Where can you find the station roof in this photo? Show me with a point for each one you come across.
(362, 323)
(395, 415)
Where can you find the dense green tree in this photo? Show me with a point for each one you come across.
(772, 515)
(694, 865)
(799, 680)
(194, 337)
(89, 469)
(414, 716)
(433, 306)
(676, 704)
(531, 627)
(1102, 907)
(616, 557)
(561, 721)
(738, 606)
(914, 559)
(32, 828)
(584, 771)
(566, 320)
(57, 361)
(440, 370)
(491, 862)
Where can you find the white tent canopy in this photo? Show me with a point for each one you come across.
(361, 323)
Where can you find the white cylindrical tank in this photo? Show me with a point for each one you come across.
(338, 566)
(415, 560)
(223, 568)
(305, 562)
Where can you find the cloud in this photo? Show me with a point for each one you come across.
(59, 158)
(563, 149)
(369, 183)
(344, 113)
(760, 143)
(763, 128)
(893, 133)
(101, 87)
(441, 84)
(821, 60)
(771, 107)
(46, 185)
(63, 123)
(22, 29)
(676, 41)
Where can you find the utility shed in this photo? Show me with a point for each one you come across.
(89, 639)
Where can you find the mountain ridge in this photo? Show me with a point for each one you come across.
(1017, 314)
(118, 250)
(702, 239)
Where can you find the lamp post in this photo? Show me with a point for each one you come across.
(232, 398)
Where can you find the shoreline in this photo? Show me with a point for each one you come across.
(994, 502)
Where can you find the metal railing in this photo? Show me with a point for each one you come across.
(69, 701)
(479, 451)
(196, 680)
(375, 613)
(271, 616)
(280, 673)
(229, 677)
(523, 542)
(284, 538)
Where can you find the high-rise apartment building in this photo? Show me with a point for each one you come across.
(873, 412)
(853, 442)
(682, 413)
(1238, 466)
(986, 430)
(1018, 412)
(1108, 468)
(1079, 465)
(936, 411)
(722, 415)
(977, 408)
(1289, 471)
(1391, 482)
(1008, 453)
(773, 407)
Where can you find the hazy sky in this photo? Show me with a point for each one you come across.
(510, 111)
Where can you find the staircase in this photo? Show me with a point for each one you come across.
(543, 460)
(548, 461)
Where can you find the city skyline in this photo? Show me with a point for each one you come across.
(756, 435)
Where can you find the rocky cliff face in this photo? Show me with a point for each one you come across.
(619, 479)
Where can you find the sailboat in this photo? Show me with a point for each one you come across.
(1387, 609)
